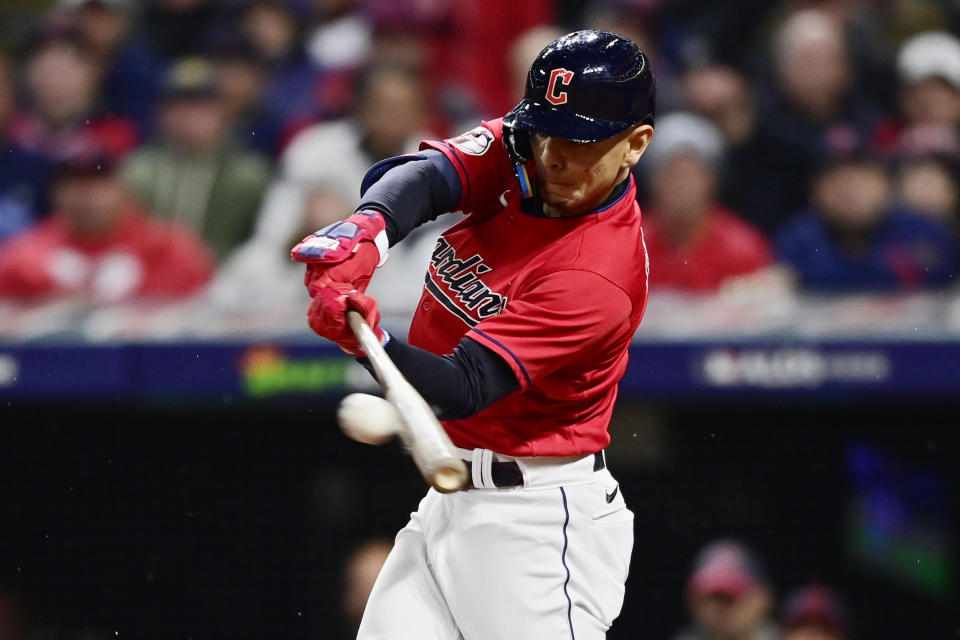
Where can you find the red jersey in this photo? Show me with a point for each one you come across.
(140, 257)
(727, 246)
(559, 299)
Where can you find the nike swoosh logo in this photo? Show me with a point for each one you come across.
(613, 494)
(503, 197)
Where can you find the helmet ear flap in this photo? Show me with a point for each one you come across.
(518, 146)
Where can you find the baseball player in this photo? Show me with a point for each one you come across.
(519, 341)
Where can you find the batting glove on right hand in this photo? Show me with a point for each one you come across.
(345, 252)
(327, 316)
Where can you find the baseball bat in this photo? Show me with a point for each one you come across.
(420, 431)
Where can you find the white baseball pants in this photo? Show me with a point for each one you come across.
(547, 560)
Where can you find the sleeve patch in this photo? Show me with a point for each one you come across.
(475, 142)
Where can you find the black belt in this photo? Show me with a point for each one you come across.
(508, 474)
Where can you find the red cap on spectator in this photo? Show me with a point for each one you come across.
(84, 158)
(815, 605)
(725, 567)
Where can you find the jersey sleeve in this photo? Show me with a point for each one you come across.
(481, 161)
(569, 316)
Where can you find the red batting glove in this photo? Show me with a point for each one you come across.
(346, 252)
(327, 315)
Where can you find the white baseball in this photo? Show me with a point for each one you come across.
(368, 419)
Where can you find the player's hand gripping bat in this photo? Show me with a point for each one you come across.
(418, 427)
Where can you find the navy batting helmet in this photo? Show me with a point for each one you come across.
(586, 86)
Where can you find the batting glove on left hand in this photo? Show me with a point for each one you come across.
(346, 251)
(327, 316)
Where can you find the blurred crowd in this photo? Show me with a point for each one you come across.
(171, 148)
(730, 596)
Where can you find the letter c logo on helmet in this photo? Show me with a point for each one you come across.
(564, 77)
(614, 89)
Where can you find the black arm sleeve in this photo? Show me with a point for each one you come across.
(412, 193)
(457, 385)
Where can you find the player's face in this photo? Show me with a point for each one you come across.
(574, 178)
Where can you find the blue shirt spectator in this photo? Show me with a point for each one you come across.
(131, 86)
(23, 180)
(854, 238)
(292, 92)
(903, 251)
(131, 69)
(242, 90)
(23, 175)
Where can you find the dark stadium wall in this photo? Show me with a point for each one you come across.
(164, 521)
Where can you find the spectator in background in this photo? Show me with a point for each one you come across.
(194, 173)
(814, 612)
(929, 66)
(242, 88)
(273, 29)
(252, 278)
(927, 184)
(179, 28)
(339, 42)
(320, 179)
(23, 174)
(812, 67)
(130, 68)
(757, 180)
(62, 81)
(868, 29)
(852, 239)
(729, 595)
(694, 31)
(387, 120)
(360, 571)
(813, 106)
(98, 245)
(694, 244)
(927, 167)
(340, 35)
(929, 144)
